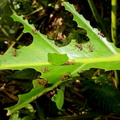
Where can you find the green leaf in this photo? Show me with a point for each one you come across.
(97, 53)
(104, 54)
(30, 117)
(15, 116)
(57, 59)
(28, 73)
(58, 98)
(26, 98)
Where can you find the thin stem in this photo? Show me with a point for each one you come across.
(97, 17)
(15, 42)
(114, 32)
(35, 11)
(113, 21)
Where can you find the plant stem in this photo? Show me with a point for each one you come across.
(113, 21)
(114, 32)
(15, 42)
(97, 18)
(116, 73)
(35, 11)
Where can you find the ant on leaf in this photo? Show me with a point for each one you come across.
(90, 47)
(79, 46)
(44, 83)
(101, 34)
(14, 53)
(44, 69)
(65, 76)
(69, 63)
(34, 31)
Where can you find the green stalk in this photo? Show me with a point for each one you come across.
(40, 112)
(113, 21)
(114, 32)
(97, 18)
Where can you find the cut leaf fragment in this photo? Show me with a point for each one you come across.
(57, 59)
(58, 98)
(25, 99)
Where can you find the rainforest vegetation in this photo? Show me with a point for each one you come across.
(59, 60)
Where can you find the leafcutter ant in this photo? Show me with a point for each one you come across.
(101, 34)
(44, 69)
(79, 46)
(65, 76)
(42, 83)
(50, 94)
(34, 31)
(69, 63)
(90, 47)
(14, 53)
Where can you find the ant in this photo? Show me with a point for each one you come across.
(79, 46)
(14, 52)
(65, 76)
(34, 31)
(42, 83)
(90, 48)
(101, 34)
(44, 69)
(50, 94)
(69, 63)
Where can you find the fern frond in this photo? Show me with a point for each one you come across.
(106, 96)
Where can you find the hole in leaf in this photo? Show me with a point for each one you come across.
(25, 40)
